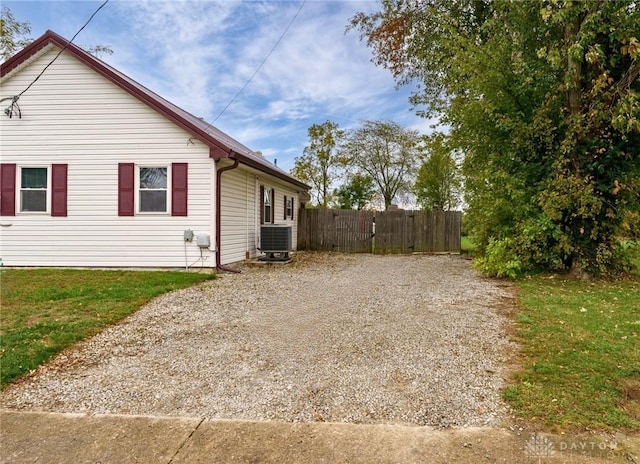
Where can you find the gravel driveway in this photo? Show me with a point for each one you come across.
(345, 338)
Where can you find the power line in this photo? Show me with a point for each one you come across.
(60, 52)
(286, 29)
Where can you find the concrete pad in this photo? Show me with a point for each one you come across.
(34, 437)
(30, 437)
(276, 442)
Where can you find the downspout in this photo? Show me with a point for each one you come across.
(219, 172)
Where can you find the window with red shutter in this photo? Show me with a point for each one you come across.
(273, 206)
(262, 204)
(7, 189)
(59, 189)
(126, 189)
(179, 189)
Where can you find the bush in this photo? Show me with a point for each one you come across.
(499, 259)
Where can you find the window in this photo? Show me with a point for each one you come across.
(152, 196)
(146, 189)
(267, 208)
(267, 205)
(41, 189)
(288, 207)
(33, 190)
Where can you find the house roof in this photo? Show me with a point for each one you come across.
(220, 144)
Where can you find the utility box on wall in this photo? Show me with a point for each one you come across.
(203, 241)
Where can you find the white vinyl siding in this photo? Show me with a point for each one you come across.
(241, 212)
(238, 215)
(75, 116)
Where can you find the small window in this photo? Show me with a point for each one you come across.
(152, 197)
(267, 205)
(289, 213)
(33, 190)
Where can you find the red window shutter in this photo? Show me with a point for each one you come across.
(273, 206)
(262, 204)
(58, 190)
(179, 189)
(126, 186)
(7, 189)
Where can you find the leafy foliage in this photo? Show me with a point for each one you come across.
(14, 34)
(99, 50)
(542, 98)
(320, 163)
(387, 153)
(438, 184)
(356, 193)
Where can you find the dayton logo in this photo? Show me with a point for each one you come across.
(538, 447)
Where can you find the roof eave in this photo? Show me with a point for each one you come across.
(272, 171)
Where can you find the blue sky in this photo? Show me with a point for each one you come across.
(199, 54)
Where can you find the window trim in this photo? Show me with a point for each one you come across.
(168, 190)
(267, 218)
(20, 189)
(288, 207)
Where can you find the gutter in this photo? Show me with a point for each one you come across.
(219, 172)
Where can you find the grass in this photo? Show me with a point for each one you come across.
(580, 354)
(46, 310)
(467, 246)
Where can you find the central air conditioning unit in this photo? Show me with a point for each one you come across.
(275, 238)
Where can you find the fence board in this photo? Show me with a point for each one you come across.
(352, 231)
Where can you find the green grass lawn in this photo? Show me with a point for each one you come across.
(44, 311)
(580, 354)
(467, 246)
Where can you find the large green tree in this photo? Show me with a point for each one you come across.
(438, 185)
(356, 193)
(542, 97)
(387, 153)
(320, 163)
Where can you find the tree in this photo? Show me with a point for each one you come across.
(542, 99)
(386, 152)
(99, 50)
(14, 35)
(356, 193)
(320, 162)
(438, 183)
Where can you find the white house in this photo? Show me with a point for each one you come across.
(98, 171)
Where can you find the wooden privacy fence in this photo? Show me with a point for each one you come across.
(379, 232)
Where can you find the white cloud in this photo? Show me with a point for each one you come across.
(199, 54)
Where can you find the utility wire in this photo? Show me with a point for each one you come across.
(286, 29)
(60, 52)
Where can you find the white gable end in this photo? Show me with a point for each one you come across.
(74, 116)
